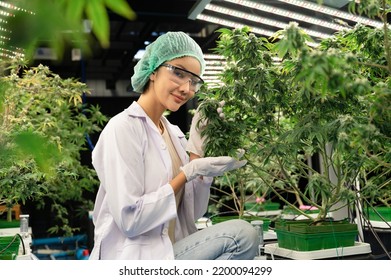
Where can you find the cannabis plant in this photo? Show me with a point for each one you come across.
(289, 103)
(44, 124)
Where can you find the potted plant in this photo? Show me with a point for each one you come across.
(315, 102)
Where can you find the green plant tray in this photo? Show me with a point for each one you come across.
(286, 224)
(12, 224)
(291, 211)
(303, 226)
(380, 213)
(219, 219)
(335, 227)
(315, 241)
(9, 247)
(302, 236)
(267, 206)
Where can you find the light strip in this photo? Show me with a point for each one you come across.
(258, 19)
(333, 12)
(13, 7)
(3, 51)
(7, 14)
(208, 72)
(233, 24)
(213, 56)
(289, 14)
(214, 68)
(214, 63)
(213, 60)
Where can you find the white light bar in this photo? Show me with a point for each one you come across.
(233, 24)
(6, 14)
(209, 72)
(212, 80)
(214, 63)
(139, 54)
(213, 56)
(4, 52)
(13, 7)
(10, 53)
(259, 19)
(263, 20)
(288, 14)
(213, 68)
(333, 12)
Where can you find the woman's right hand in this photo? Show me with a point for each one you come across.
(211, 166)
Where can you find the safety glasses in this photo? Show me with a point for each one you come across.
(181, 76)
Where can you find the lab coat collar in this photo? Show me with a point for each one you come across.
(136, 110)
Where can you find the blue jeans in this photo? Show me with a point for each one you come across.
(230, 240)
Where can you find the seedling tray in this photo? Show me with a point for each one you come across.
(302, 236)
(315, 241)
(380, 214)
(9, 247)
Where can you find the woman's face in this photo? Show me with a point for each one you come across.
(172, 86)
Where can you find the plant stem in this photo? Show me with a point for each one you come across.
(9, 214)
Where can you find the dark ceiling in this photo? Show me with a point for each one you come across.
(153, 18)
(127, 37)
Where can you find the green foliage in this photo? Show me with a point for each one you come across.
(331, 101)
(59, 23)
(43, 129)
(43, 121)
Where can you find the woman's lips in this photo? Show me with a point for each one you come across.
(179, 98)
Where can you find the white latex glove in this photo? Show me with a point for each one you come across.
(195, 144)
(211, 166)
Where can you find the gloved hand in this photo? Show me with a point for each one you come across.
(211, 166)
(195, 144)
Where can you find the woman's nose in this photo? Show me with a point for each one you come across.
(185, 86)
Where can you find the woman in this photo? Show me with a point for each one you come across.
(150, 194)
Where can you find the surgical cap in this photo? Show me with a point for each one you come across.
(168, 46)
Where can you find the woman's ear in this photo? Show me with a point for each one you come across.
(152, 76)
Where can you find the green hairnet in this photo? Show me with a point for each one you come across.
(167, 47)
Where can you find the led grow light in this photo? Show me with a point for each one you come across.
(288, 14)
(259, 19)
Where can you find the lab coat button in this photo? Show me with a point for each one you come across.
(163, 146)
(165, 231)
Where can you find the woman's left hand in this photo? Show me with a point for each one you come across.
(195, 144)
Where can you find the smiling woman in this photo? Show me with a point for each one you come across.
(172, 88)
(151, 190)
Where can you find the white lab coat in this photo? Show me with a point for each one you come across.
(135, 202)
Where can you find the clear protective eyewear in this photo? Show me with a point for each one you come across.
(182, 76)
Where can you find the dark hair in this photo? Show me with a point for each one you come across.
(146, 86)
